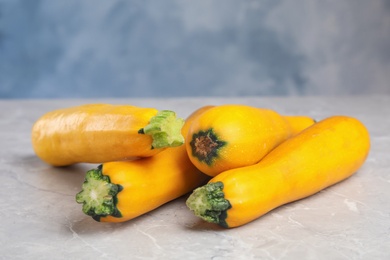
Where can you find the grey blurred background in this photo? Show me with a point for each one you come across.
(118, 48)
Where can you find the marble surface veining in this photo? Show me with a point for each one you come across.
(41, 220)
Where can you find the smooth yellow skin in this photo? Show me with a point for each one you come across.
(320, 156)
(298, 123)
(151, 182)
(250, 134)
(92, 133)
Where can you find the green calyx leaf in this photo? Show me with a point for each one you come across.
(165, 129)
(98, 195)
(208, 203)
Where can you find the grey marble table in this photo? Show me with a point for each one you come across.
(41, 220)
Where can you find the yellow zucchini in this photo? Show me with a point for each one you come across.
(120, 191)
(318, 157)
(97, 133)
(230, 136)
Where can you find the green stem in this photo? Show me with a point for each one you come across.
(98, 195)
(165, 129)
(208, 203)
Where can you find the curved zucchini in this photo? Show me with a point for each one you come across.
(120, 191)
(320, 156)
